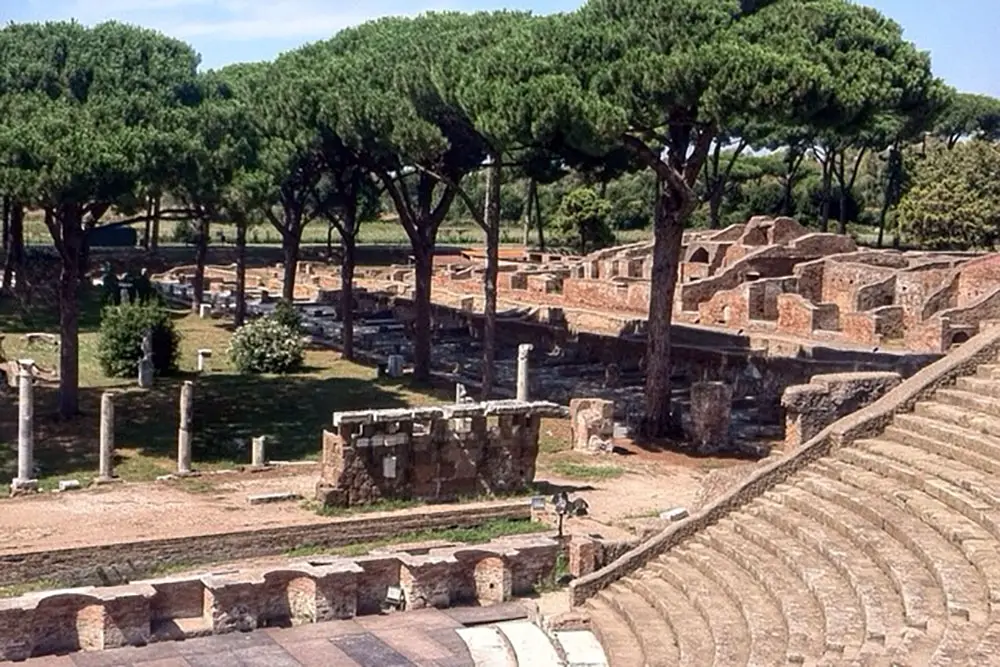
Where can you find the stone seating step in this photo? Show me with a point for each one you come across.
(654, 635)
(953, 442)
(581, 648)
(988, 371)
(911, 580)
(799, 609)
(530, 644)
(487, 646)
(729, 630)
(964, 399)
(981, 386)
(767, 630)
(958, 416)
(695, 645)
(865, 582)
(620, 644)
(843, 620)
(948, 494)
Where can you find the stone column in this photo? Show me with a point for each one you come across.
(184, 433)
(523, 351)
(146, 368)
(25, 480)
(258, 458)
(105, 472)
(711, 413)
(203, 356)
(395, 366)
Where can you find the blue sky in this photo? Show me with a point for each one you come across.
(960, 34)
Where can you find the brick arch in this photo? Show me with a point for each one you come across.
(68, 622)
(699, 256)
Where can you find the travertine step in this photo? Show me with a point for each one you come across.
(948, 494)
(530, 643)
(729, 631)
(655, 636)
(948, 440)
(768, 634)
(843, 618)
(821, 500)
(619, 642)
(581, 648)
(487, 646)
(883, 617)
(972, 420)
(988, 371)
(799, 608)
(695, 644)
(953, 528)
(970, 401)
(981, 386)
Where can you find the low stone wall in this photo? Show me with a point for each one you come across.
(324, 589)
(864, 423)
(810, 408)
(113, 563)
(431, 453)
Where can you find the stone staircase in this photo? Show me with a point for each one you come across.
(877, 543)
(521, 643)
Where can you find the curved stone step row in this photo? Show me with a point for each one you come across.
(883, 553)
(524, 644)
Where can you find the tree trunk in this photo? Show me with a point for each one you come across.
(240, 312)
(715, 205)
(668, 235)
(329, 242)
(893, 166)
(154, 238)
(842, 222)
(148, 231)
(423, 260)
(200, 255)
(824, 215)
(290, 248)
(69, 313)
(538, 221)
(347, 259)
(529, 201)
(6, 222)
(491, 216)
(14, 263)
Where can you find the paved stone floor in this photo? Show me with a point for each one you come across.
(424, 638)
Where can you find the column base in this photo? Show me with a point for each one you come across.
(259, 468)
(20, 487)
(102, 481)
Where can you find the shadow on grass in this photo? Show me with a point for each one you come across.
(42, 315)
(292, 411)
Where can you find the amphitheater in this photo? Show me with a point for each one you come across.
(875, 542)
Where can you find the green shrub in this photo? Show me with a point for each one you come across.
(122, 328)
(266, 346)
(285, 314)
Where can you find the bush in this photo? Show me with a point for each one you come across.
(287, 315)
(266, 346)
(122, 328)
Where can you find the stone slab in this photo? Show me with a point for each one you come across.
(265, 498)
(370, 650)
(581, 648)
(531, 645)
(487, 647)
(469, 616)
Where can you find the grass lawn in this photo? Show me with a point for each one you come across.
(229, 408)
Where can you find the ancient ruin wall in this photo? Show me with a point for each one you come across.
(95, 619)
(433, 453)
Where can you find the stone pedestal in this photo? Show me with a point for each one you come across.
(184, 432)
(523, 381)
(25, 480)
(203, 356)
(105, 473)
(395, 366)
(711, 413)
(592, 420)
(204, 310)
(145, 374)
(258, 457)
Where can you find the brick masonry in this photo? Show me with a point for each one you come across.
(324, 589)
(431, 453)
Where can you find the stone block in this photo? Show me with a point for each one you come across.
(592, 421)
(711, 414)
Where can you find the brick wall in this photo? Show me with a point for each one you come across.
(95, 619)
(431, 453)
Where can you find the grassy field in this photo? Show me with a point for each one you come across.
(229, 408)
(380, 232)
